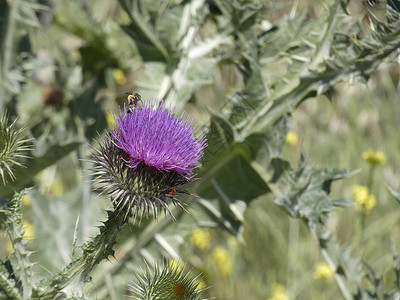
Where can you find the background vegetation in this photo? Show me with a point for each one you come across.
(290, 93)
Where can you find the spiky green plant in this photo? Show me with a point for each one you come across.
(21, 281)
(13, 144)
(167, 282)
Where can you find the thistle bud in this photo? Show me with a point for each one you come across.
(13, 144)
(167, 282)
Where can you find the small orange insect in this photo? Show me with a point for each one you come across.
(172, 193)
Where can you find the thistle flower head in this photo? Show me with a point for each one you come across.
(144, 160)
(12, 147)
(153, 136)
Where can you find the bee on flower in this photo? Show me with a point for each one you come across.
(133, 100)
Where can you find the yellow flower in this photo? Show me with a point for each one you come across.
(26, 201)
(362, 196)
(119, 76)
(174, 264)
(110, 120)
(29, 230)
(374, 157)
(370, 203)
(292, 138)
(200, 284)
(278, 293)
(323, 271)
(223, 261)
(201, 238)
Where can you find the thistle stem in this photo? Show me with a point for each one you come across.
(341, 283)
(93, 252)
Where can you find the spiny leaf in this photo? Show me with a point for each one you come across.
(149, 45)
(309, 194)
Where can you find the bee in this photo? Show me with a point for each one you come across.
(133, 100)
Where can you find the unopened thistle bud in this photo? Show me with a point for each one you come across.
(13, 144)
(172, 283)
(143, 162)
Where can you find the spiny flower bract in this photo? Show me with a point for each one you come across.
(143, 162)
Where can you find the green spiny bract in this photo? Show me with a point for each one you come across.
(12, 147)
(134, 192)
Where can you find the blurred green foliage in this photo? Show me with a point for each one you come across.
(243, 70)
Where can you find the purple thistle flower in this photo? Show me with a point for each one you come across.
(142, 164)
(153, 136)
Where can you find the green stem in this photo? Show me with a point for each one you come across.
(361, 214)
(101, 247)
(341, 283)
(7, 50)
(360, 226)
(146, 236)
(370, 178)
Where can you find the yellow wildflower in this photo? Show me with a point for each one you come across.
(278, 293)
(292, 138)
(26, 201)
(200, 284)
(323, 271)
(362, 196)
(29, 230)
(110, 120)
(223, 261)
(201, 238)
(119, 76)
(370, 203)
(374, 157)
(174, 264)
